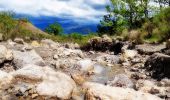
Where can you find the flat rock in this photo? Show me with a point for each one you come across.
(48, 82)
(102, 92)
(27, 57)
(150, 49)
(56, 84)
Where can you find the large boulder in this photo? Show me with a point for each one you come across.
(158, 65)
(5, 80)
(97, 91)
(48, 82)
(27, 57)
(101, 43)
(149, 48)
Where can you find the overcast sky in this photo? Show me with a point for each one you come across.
(86, 10)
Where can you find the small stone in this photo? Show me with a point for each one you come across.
(55, 57)
(19, 40)
(35, 44)
(34, 96)
(154, 91)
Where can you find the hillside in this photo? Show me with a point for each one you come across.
(30, 27)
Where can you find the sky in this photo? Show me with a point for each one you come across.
(78, 12)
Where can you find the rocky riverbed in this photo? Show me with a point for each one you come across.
(106, 69)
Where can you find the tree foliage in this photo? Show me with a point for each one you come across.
(126, 14)
(55, 29)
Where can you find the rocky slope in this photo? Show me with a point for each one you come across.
(53, 71)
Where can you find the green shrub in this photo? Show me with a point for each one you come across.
(54, 29)
(162, 22)
(76, 36)
(7, 23)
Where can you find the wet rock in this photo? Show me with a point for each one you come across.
(121, 80)
(150, 49)
(85, 64)
(27, 57)
(98, 69)
(101, 92)
(158, 65)
(111, 59)
(19, 40)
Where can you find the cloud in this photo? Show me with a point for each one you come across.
(80, 10)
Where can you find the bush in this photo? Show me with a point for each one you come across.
(7, 23)
(76, 36)
(54, 29)
(162, 22)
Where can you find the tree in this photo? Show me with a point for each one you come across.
(55, 29)
(123, 14)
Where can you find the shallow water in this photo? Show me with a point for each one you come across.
(104, 73)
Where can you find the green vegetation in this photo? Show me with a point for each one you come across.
(55, 29)
(12, 28)
(137, 20)
(134, 20)
(7, 23)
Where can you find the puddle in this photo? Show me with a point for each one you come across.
(104, 73)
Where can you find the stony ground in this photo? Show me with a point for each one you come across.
(48, 70)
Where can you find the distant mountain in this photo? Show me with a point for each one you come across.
(69, 25)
